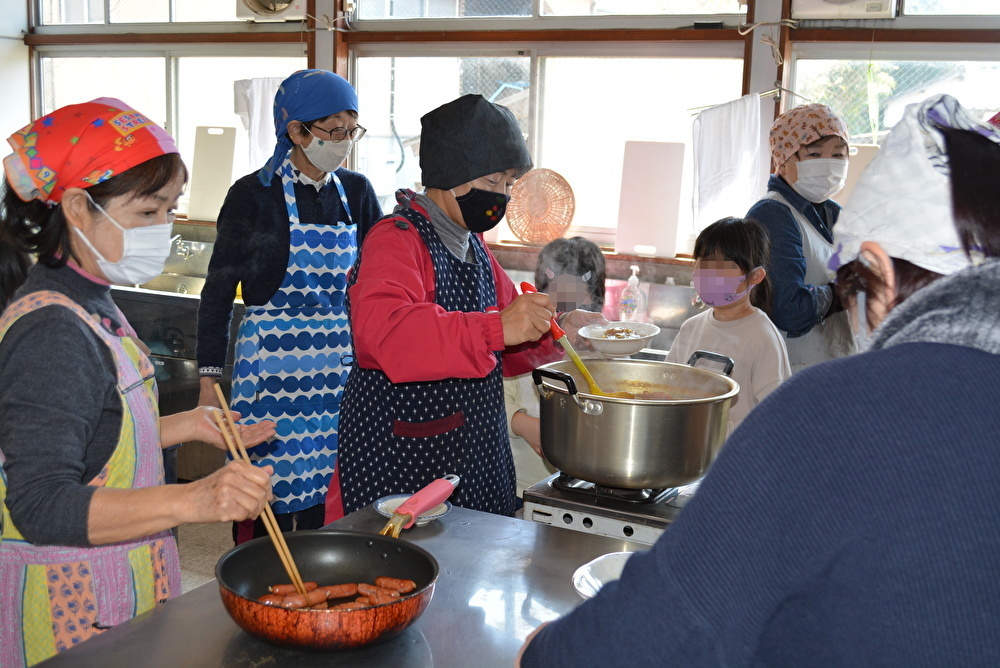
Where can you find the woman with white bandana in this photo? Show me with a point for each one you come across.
(850, 520)
(809, 151)
(288, 235)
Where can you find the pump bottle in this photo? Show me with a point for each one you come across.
(632, 305)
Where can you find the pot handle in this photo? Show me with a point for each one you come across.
(561, 376)
(714, 357)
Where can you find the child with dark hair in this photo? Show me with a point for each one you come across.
(729, 275)
(572, 272)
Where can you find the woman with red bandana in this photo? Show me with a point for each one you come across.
(85, 540)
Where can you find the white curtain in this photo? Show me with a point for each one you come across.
(731, 161)
(254, 101)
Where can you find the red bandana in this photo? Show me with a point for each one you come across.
(81, 145)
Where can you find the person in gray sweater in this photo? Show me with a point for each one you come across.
(85, 522)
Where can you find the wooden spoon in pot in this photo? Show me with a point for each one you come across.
(560, 336)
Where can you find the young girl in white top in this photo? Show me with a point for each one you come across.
(729, 275)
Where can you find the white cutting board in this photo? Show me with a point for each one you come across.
(212, 171)
(857, 162)
(650, 198)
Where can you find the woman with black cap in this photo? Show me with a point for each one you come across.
(431, 311)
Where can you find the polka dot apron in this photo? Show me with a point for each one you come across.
(57, 596)
(396, 438)
(288, 358)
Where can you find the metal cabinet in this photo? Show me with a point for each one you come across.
(167, 323)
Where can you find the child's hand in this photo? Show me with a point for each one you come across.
(529, 428)
(574, 320)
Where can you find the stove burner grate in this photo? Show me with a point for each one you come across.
(568, 483)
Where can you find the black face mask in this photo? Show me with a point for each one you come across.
(482, 210)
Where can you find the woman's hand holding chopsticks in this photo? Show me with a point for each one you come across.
(236, 492)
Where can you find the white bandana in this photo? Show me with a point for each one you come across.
(902, 201)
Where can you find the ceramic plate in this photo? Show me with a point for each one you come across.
(388, 504)
(589, 578)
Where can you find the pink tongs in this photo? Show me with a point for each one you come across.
(408, 511)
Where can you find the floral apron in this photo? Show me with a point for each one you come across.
(288, 358)
(54, 596)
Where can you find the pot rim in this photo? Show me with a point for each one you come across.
(562, 389)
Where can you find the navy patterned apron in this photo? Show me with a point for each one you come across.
(288, 358)
(396, 438)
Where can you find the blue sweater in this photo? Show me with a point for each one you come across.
(796, 305)
(252, 245)
(850, 521)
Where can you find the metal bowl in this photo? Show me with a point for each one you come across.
(326, 557)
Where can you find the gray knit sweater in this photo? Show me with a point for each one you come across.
(60, 412)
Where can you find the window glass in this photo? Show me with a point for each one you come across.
(138, 81)
(406, 9)
(203, 89)
(70, 12)
(589, 111)
(870, 95)
(640, 7)
(952, 7)
(393, 93)
(205, 97)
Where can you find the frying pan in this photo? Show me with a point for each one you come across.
(327, 557)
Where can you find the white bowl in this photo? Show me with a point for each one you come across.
(388, 504)
(596, 336)
(589, 578)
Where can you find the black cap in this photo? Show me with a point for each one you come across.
(468, 138)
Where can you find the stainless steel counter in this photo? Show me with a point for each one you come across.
(500, 577)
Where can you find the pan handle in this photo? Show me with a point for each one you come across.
(560, 376)
(714, 357)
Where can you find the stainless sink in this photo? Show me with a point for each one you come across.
(189, 258)
(176, 283)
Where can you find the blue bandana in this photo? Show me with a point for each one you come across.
(305, 96)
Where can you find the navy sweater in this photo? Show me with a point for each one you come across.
(252, 243)
(840, 526)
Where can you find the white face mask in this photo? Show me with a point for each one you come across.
(144, 251)
(862, 337)
(327, 155)
(820, 179)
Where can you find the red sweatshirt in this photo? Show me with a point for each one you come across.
(398, 328)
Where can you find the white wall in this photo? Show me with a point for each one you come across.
(15, 112)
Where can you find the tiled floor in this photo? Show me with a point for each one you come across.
(200, 546)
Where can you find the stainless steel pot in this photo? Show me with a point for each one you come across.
(666, 437)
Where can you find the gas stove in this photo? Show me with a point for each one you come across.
(638, 515)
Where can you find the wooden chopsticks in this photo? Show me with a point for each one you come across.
(231, 434)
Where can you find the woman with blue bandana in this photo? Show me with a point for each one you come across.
(288, 235)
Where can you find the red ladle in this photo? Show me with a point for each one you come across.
(560, 336)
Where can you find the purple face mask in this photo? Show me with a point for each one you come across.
(717, 290)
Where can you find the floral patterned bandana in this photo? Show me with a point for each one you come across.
(802, 126)
(903, 199)
(79, 146)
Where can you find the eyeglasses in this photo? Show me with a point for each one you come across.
(340, 134)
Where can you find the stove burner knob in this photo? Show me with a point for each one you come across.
(587, 522)
(628, 531)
